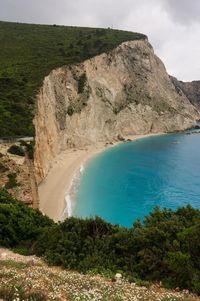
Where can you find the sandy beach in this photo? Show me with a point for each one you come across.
(53, 188)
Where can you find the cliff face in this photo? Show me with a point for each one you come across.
(124, 92)
(190, 89)
(10, 165)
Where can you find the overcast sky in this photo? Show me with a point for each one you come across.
(173, 26)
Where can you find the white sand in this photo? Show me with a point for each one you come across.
(58, 181)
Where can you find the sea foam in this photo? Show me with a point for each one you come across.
(70, 193)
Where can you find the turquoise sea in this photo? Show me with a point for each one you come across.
(127, 181)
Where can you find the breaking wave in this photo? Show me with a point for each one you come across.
(70, 193)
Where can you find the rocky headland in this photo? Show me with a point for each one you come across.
(126, 91)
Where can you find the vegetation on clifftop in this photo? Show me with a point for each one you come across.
(29, 278)
(165, 247)
(29, 52)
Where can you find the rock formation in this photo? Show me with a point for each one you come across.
(124, 92)
(190, 89)
(14, 170)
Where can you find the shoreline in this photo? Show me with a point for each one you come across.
(59, 181)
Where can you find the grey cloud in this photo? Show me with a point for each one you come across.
(77, 12)
(47, 11)
(183, 11)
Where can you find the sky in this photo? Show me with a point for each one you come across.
(173, 26)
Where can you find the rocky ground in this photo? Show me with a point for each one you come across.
(29, 278)
(13, 164)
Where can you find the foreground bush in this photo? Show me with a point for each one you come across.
(19, 224)
(165, 247)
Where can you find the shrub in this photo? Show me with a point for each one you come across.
(157, 250)
(12, 181)
(81, 83)
(19, 224)
(16, 150)
(165, 247)
(5, 197)
(29, 147)
(70, 110)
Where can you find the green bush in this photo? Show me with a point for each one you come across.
(16, 150)
(29, 147)
(12, 181)
(165, 247)
(81, 83)
(70, 110)
(5, 197)
(19, 224)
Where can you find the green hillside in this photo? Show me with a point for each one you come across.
(29, 52)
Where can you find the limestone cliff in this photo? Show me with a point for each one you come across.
(126, 91)
(190, 89)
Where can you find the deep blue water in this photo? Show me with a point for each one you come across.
(127, 181)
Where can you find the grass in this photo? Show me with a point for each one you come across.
(29, 52)
(11, 264)
(40, 282)
(17, 293)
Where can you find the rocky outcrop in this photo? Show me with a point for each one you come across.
(14, 175)
(124, 92)
(190, 89)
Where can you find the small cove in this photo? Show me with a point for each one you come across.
(127, 181)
